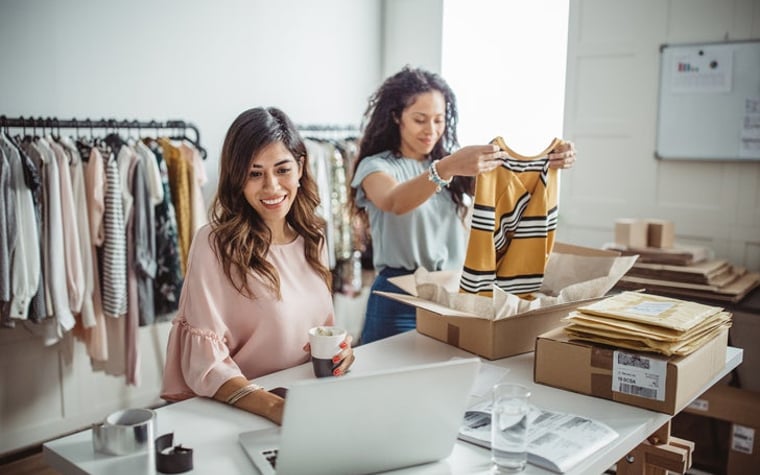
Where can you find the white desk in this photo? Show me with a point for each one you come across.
(211, 428)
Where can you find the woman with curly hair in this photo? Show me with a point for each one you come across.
(413, 184)
(257, 278)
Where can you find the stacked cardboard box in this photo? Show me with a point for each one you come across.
(640, 233)
(667, 267)
(630, 377)
(614, 349)
(739, 409)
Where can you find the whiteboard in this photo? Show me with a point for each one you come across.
(709, 101)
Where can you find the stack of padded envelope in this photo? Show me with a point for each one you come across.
(645, 322)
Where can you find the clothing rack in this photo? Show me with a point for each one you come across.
(328, 131)
(179, 127)
(326, 127)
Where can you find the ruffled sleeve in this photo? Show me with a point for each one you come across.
(198, 360)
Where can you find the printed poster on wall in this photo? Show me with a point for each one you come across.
(702, 70)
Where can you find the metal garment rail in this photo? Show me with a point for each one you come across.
(328, 131)
(179, 127)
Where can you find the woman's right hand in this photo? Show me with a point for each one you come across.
(471, 160)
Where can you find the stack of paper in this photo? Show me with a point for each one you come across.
(647, 322)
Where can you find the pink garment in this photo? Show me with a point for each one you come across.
(219, 334)
(75, 280)
(95, 181)
(95, 184)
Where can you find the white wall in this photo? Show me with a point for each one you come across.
(195, 60)
(611, 114)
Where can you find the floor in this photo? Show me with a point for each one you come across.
(32, 464)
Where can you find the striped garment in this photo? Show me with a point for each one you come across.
(513, 224)
(114, 258)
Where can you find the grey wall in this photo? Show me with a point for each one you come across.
(191, 59)
(412, 34)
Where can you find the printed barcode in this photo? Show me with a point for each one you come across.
(633, 360)
(638, 391)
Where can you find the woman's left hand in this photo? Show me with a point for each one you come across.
(563, 156)
(344, 359)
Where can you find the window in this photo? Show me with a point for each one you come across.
(506, 61)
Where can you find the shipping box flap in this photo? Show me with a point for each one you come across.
(450, 312)
(405, 283)
(426, 304)
(447, 278)
(563, 248)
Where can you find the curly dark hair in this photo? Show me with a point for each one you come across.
(239, 236)
(381, 131)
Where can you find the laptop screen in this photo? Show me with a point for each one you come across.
(369, 422)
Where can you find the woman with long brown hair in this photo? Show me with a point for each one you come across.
(257, 278)
(414, 185)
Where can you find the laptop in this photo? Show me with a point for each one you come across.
(366, 422)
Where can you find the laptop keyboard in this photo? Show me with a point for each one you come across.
(271, 456)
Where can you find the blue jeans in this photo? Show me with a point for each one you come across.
(386, 317)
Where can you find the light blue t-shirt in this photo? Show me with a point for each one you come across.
(431, 236)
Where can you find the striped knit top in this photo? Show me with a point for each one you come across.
(513, 224)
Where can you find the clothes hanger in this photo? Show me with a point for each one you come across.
(113, 139)
(184, 126)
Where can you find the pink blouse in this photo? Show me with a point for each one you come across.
(219, 334)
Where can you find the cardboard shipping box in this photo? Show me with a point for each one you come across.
(745, 333)
(660, 233)
(640, 379)
(741, 408)
(631, 232)
(491, 339)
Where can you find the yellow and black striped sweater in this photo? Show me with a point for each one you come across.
(513, 224)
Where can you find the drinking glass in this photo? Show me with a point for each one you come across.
(509, 427)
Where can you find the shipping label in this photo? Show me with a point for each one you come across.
(651, 309)
(700, 405)
(639, 375)
(743, 439)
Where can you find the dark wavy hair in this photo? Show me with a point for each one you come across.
(381, 131)
(239, 236)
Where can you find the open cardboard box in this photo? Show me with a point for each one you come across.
(491, 339)
(588, 368)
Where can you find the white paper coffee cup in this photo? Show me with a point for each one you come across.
(325, 343)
